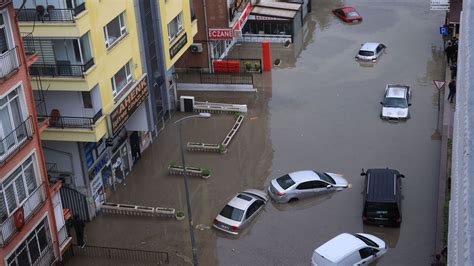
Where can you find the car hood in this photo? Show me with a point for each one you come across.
(394, 112)
(377, 240)
(339, 179)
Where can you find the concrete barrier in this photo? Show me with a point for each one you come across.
(219, 107)
(136, 210)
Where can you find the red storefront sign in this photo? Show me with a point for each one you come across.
(226, 66)
(221, 34)
(243, 18)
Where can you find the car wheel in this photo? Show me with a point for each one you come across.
(293, 200)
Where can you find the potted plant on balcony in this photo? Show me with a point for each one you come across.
(179, 215)
(248, 66)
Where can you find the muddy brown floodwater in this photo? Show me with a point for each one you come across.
(318, 110)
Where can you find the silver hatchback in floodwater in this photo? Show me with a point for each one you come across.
(303, 184)
(370, 51)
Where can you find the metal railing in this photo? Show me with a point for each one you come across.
(63, 235)
(30, 206)
(60, 69)
(9, 61)
(15, 139)
(72, 121)
(155, 257)
(191, 76)
(50, 14)
(29, 43)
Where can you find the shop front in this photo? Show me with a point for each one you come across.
(130, 134)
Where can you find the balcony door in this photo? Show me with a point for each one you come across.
(6, 40)
(11, 118)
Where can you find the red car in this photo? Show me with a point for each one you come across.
(348, 14)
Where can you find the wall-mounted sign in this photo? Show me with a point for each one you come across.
(129, 105)
(221, 34)
(178, 45)
(239, 24)
(439, 5)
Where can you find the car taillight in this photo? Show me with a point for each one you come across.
(399, 220)
(216, 221)
(234, 228)
(280, 193)
(364, 218)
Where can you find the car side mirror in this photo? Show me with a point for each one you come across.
(328, 186)
(381, 103)
(400, 175)
(363, 173)
(409, 104)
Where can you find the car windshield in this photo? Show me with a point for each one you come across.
(366, 240)
(395, 102)
(232, 213)
(285, 181)
(366, 53)
(352, 14)
(326, 177)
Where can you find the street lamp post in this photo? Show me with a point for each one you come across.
(185, 174)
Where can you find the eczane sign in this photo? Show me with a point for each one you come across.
(221, 34)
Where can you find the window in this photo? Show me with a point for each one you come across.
(285, 181)
(86, 99)
(114, 30)
(307, 185)
(253, 208)
(326, 177)
(232, 213)
(11, 117)
(4, 33)
(17, 187)
(175, 27)
(121, 79)
(366, 252)
(33, 247)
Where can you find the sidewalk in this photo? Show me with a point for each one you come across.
(446, 130)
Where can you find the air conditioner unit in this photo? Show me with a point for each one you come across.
(196, 48)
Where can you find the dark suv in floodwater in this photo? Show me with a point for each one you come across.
(382, 197)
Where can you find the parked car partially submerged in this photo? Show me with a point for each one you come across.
(303, 184)
(240, 210)
(348, 14)
(349, 249)
(370, 51)
(396, 102)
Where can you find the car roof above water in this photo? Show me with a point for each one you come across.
(339, 247)
(381, 185)
(396, 91)
(303, 176)
(369, 46)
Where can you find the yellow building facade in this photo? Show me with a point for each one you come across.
(183, 38)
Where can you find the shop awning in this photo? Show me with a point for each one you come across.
(276, 10)
(455, 7)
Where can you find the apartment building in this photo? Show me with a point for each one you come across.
(32, 224)
(92, 93)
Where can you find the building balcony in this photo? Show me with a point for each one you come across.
(12, 142)
(4, 3)
(31, 205)
(9, 62)
(65, 122)
(61, 69)
(50, 14)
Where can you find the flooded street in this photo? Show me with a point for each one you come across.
(318, 110)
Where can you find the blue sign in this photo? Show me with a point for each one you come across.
(443, 30)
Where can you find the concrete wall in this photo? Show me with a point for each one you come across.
(461, 211)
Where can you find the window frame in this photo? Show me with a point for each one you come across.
(20, 95)
(10, 40)
(23, 165)
(122, 27)
(180, 27)
(128, 76)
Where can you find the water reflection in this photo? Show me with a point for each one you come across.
(303, 203)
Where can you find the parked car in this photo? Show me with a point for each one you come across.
(370, 51)
(349, 249)
(382, 197)
(348, 14)
(240, 210)
(303, 184)
(396, 102)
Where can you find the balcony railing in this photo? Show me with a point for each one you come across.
(15, 139)
(9, 61)
(50, 13)
(72, 121)
(30, 207)
(60, 69)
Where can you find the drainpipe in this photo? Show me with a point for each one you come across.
(207, 36)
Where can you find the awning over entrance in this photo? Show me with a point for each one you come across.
(276, 10)
(455, 7)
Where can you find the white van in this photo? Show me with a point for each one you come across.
(349, 249)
